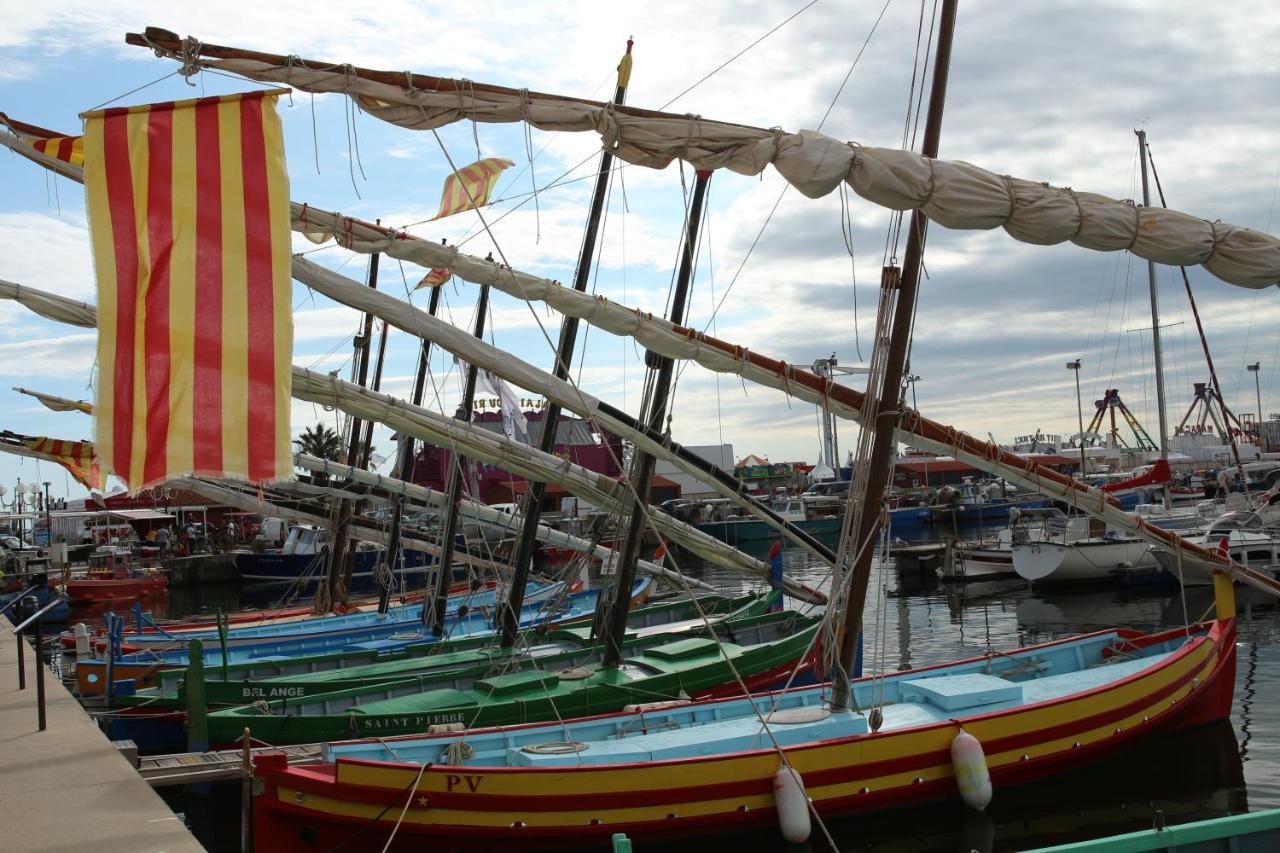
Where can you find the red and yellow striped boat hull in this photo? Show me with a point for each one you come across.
(313, 808)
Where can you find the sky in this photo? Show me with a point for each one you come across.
(1046, 91)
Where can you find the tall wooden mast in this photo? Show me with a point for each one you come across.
(643, 463)
(890, 393)
(404, 461)
(509, 618)
(435, 616)
(336, 579)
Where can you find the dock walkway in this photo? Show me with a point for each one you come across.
(67, 787)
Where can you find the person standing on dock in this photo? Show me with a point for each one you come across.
(162, 540)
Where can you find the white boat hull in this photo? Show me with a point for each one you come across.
(1084, 560)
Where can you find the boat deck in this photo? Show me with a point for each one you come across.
(73, 764)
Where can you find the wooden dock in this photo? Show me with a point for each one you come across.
(188, 768)
(68, 787)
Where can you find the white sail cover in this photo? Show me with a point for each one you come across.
(667, 339)
(231, 496)
(51, 306)
(513, 456)
(485, 516)
(953, 194)
(56, 403)
(467, 440)
(475, 351)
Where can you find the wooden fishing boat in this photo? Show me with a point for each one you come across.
(762, 650)
(309, 675)
(403, 616)
(1256, 831)
(256, 616)
(162, 723)
(99, 590)
(711, 767)
(141, 667)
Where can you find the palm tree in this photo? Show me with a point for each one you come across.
(322, 442)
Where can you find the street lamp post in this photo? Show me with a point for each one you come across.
(48, 518)
(1255, 369)
(1074, 366)
(911, 379)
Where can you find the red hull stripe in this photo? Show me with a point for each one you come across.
(320, 781)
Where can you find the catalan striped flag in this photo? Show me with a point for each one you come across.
(68, 148)
(471, 186)
(435, 278)
(189, 221)
(76, 456)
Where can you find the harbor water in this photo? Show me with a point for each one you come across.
(912, 619)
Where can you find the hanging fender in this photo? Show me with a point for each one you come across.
(793, 805)
(970, 766)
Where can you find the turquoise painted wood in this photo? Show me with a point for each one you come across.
(1256, 832)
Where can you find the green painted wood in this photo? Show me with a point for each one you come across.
(1252, 831)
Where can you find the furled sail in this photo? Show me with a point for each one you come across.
(57, 404)
(229, 495)
(464, 438)
(720, 356)
(481, 514)
(429, 426)
(953, 194)
(319, 225)
(475, 351)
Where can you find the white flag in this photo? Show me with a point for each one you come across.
(513, 420)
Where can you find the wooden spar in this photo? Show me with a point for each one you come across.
(1155, 329)
(341, 553)
(159, 39)
(445, 566)
(525, 547)
(405, 457)
(987, 456)
(884, 439)
(643, 464)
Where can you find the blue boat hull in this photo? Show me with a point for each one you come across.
(307, 569)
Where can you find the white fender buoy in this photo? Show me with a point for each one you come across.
(793, 805)
(84, 650)
(972, 775)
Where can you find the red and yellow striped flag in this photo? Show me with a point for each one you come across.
(76, 456)
(470, 186)
(189, 219)
(68, 148)
(435, 278)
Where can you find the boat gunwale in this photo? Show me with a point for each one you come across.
(1210, 632)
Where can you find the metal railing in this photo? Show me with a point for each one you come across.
(37, 618)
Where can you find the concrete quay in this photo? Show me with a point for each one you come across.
(68, 788)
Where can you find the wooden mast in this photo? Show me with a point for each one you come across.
(336, 576)
(643, 463)
(509, 616)
(891, 398)
(435, 616)
(1155, 324)
(404, 460)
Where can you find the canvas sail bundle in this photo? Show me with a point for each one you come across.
(954, 194)
(58, 404)
(481, 514)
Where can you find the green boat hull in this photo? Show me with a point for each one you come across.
(691, 666)
(1256, 831)
(303, 677)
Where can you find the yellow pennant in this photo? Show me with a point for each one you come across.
(435, 278)
(470, 186)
